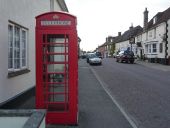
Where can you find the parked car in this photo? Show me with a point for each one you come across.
(88, 56)
(83, 56)
(125, 56)
(99, 54)
(93, 59)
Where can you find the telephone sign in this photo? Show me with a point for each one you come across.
(48, 23)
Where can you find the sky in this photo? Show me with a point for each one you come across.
(98, 19)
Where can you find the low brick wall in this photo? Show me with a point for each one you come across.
(22, 118)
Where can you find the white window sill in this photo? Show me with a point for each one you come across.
(17, 73)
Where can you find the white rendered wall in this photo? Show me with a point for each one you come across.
(160, 31)
(22, 12)
(147, 39)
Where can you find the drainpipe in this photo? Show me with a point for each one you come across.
(51, 5)
(166, 44)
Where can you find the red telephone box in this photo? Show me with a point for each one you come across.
(57, 67)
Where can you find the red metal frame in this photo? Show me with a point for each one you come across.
(57, 67)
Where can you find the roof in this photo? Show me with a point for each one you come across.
(126, 35)
(160, 18)
(131, 32)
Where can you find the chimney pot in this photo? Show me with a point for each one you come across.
(119, 33)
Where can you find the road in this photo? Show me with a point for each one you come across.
(142, 92)
(122, 96)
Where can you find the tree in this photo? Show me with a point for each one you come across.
(112, 49)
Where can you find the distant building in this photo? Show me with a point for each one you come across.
(101, 49)
(106, 48)
(123, 43)
(17, 44)
(154, 41)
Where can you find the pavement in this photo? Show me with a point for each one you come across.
(156, 66)
(97, 108)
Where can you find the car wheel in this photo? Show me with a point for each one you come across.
(121, 61)
(90, 63)
(131, 61)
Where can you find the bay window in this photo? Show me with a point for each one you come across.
(151, 48)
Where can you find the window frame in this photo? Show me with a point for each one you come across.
(161, 48)
(149, 48)
(154, 48)
(17, 48)
(154, 33)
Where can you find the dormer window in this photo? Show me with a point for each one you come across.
(154, 20)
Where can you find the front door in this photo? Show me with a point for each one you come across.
(55, 72)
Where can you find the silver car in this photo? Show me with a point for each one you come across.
(93, 59)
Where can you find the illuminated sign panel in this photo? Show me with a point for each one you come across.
(55, 22)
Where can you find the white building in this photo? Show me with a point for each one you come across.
(123, 43)
(155, 39)
(153, 43)
(17, 43)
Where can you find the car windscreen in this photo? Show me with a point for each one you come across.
(92, 56)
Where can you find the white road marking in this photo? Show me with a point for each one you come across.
(132, 123)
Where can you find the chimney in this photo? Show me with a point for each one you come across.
(106, 39)
(145, 22)
(119, 33)
(131, 27)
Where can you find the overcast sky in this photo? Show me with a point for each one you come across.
(98, 19)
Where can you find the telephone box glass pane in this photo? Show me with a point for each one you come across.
(58, 88)
(58, 48)
(57, 98)
(57, 38)
(56, 68)
(56, 77)
(57, 58)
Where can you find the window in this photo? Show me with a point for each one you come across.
(146, 35)
(154, 48)
(149, 48)
(138, 38)
(160, 47)
(105, 47)
(155, 33)
(10, 47)
(17, 48)
(23, 48)
(154, 20)
(146, 48)
(150, 34)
